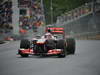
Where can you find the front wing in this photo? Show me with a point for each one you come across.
(32, 52)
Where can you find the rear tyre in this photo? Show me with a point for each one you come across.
(70, 46)
(61, 45)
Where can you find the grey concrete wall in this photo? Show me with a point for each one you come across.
(15, 17)
(89, 23)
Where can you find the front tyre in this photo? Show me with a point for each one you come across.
(70, 46)
(24, 55)
(61, 45)
(24, 44)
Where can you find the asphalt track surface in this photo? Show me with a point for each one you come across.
(86, 61)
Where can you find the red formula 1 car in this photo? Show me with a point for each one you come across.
(41, 46)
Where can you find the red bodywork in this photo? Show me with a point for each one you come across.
(25, 51)
(31, 51)
(55, 30)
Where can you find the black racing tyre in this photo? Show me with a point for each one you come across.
(25, 44)
(24, 55)
(70, 46)
(61, 45)
(1, 42)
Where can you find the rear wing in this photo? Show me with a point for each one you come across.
(55, 30)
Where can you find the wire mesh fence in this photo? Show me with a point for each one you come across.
(82, 21)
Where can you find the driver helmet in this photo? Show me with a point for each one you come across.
(48, 35)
